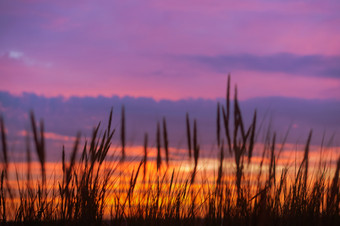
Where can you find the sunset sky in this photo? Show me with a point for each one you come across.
(281, 54)
(171, 49)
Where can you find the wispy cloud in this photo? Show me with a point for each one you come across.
(21, 57)
(15, 55)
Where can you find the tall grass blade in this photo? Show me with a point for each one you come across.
(40, 145)
(218, 125)
(252, 138)
(4, 145)
(158, 143)
(188, 134)
(145, 159)
(122, 133)
(166, 142)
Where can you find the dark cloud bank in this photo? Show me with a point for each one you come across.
(68, 116)
(309, 65)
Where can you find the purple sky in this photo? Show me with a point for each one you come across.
(76, 56)
(170, 49)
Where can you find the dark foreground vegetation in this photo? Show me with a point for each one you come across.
(94, 191)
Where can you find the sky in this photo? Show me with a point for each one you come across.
(170, 49)
(281, 54)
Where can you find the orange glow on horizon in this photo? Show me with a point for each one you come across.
(182, 170)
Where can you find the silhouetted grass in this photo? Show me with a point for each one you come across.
(94, 190)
